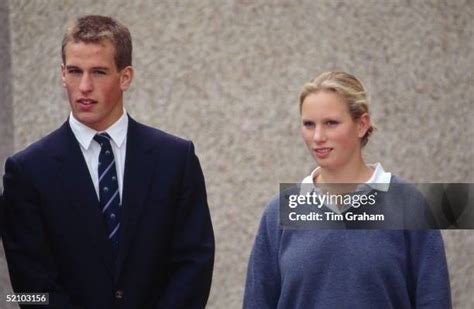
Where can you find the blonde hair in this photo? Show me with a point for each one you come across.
(96, 28)
(347, 86)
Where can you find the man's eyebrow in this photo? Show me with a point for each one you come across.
(100, 68)
(93, 68)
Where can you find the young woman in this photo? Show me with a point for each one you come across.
(327, 268)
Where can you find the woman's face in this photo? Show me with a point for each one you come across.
(330, 133)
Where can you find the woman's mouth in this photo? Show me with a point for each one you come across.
(322, 152)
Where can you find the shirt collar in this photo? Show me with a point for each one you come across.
(84, 134)
(380, 179)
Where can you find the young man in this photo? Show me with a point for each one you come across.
(105, 212)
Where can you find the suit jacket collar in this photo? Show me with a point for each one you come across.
(139, 167)
(75, 179)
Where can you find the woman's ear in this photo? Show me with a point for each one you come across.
(363, 124)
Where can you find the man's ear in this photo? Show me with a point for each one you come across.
(363, 124)
(63, 74)
(126, 77)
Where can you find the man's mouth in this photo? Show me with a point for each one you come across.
(86, 101)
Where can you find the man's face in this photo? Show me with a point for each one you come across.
(93, 83)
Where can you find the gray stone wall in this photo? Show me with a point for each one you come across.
(6, 122)
(226, 74)
(6, 104)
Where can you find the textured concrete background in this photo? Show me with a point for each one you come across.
(227, 74)
(6, 121)
(6, 104)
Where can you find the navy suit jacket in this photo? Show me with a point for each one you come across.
(55, 239)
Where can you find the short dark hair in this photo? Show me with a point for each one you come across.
(94, 29)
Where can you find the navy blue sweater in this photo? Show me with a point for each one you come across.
(316, 268)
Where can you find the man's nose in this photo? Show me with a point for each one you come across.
(86, 83)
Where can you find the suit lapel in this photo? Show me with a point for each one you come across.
(139, 166)
(75, 179)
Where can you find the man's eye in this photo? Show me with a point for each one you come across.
(73, 71)
(308, 124)
(100, 72)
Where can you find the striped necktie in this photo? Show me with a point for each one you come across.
(108, 190)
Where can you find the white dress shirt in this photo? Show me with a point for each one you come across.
(91, 149)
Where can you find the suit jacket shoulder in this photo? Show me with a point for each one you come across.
(155, 137)
(44, 145)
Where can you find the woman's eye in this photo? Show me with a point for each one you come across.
(331, 123)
